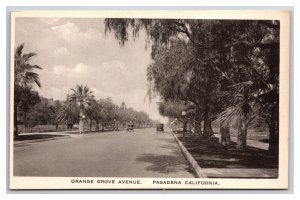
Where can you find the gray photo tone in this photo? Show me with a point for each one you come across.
(158, 98)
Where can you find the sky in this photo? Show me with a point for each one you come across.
(75, 51)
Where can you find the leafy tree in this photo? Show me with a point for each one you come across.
(177, 74)
(106, 111)
(54, 112)
(174, 110)
(221, 44)
(161, 32)
(44, 112)
(142, 119)
(26, 99)
(92, 112)
(171, 109)
(101, 110)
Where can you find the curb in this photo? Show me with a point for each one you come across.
(41, 140)
(197, 169)
(49, 132)
(61, 136)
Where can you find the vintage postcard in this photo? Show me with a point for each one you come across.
(149, 99)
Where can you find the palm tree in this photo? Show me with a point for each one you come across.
(25, 77)
(68, 114)
(246, 107)
(83, 96)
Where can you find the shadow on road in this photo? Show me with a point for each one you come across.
(174, 161)
(164, 163)
(169, 144)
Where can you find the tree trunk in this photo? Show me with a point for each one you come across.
(97, 125)
(207, 129)
(198, 128)
(225, 134)
(24, 122)
(198, 124)
(16, 131)
(274, 131)
(242, 134)
(91, 124)
(81, 121)
(184, 127)
(81, 125)
(111, 127)
(207, 132)
(102, 124)
(274, 113)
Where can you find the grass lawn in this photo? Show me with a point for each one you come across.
(36, 137)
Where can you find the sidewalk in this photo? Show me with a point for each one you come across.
(251, 143)
(217, 161)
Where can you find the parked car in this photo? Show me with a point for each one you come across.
(130, 127)
(160, 127)
(75, 125)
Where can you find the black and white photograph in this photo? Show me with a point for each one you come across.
(149, 99)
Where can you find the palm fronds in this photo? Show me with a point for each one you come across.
(24, 71)
(81, 95)
(68, 114)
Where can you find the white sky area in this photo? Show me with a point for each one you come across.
(76, 51)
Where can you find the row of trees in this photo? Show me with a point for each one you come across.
(30, 109)
(213, 69)
(82, 105)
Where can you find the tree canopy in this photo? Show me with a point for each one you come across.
(224, 67)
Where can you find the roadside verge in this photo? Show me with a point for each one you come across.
(196, 168)
(35, 140)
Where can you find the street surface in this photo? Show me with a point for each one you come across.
(142, 153)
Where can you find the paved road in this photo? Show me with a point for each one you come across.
(142, 153)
